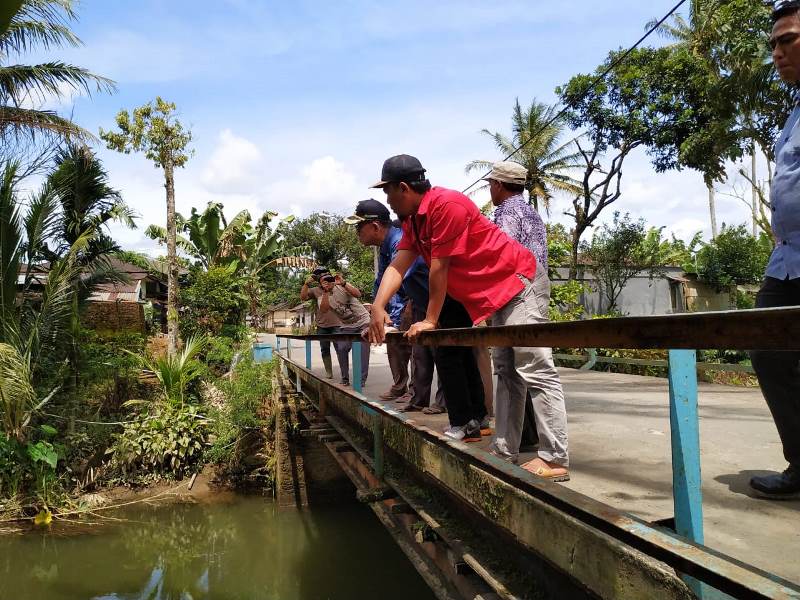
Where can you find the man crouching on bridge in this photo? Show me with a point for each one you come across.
(476, 272)
(778, 371)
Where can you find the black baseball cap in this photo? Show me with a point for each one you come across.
(369, 210)
(782, 8)
(320, 271)
(401, 168)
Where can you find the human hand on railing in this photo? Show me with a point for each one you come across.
(377, 325)
(413, 333)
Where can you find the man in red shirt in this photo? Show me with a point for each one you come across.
(475, 271)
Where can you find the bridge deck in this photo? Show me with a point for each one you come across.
(620, 453)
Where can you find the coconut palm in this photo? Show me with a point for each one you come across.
(549, 161)
(39, 26)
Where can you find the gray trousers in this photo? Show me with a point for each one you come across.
(422, 366)
(399, 356)
(525, 369)
(422, 379)
(343, 354)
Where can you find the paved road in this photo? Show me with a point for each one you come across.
(620, 454)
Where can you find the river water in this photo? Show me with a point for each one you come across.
(239, 549)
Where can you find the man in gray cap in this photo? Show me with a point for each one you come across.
(526, 370)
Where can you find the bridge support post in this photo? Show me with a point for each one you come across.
(356, 377)
(288, 348)
(685, 434)
(278, 344)
(308, 354)
(377, 448)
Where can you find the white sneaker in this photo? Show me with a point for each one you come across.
(469, 432)
(499, 448)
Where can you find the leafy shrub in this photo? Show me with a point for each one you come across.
(565, 301)
(242, 416)
(166, 439)
(212, 301)
(30, 466)
(734, 257)
(219, 354)
(108, 369)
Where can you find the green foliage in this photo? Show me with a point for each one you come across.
(109, 367)
(565, 301)
(559, 245)
(620, 251)
(178, 374)
(165, 439)
(240, 419)
(30, 465)
(153, 129)
(87, 203)
(36, 334)
(745, 98)
(36, 26)
(734, 257)
(219, 354)
(212, 300)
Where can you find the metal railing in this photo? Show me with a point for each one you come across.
(684, 334)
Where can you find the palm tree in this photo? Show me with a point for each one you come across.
(38, 26)
(34, 330)
(539, 131)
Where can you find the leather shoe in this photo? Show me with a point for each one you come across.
(783, 486)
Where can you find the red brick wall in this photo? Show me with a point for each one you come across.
(114, 316)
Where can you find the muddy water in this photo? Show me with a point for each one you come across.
(240, 549)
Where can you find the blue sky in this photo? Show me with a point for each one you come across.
(294, 106)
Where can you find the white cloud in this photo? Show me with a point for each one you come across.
(233, 166)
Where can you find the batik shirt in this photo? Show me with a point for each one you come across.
(522, 223)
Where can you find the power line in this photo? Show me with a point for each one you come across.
(594, 82)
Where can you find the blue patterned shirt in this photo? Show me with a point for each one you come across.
(785, 201)
(415, 282)
(521, 222)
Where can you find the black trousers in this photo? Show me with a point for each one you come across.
(458, 370)
(778, 372)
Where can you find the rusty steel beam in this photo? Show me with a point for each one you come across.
(545, 516)
(762, 329)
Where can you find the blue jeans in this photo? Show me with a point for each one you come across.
(343, 352)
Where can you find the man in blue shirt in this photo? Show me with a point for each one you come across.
(778, 372)
(375, 228)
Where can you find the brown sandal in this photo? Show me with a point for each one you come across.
(557, 475)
